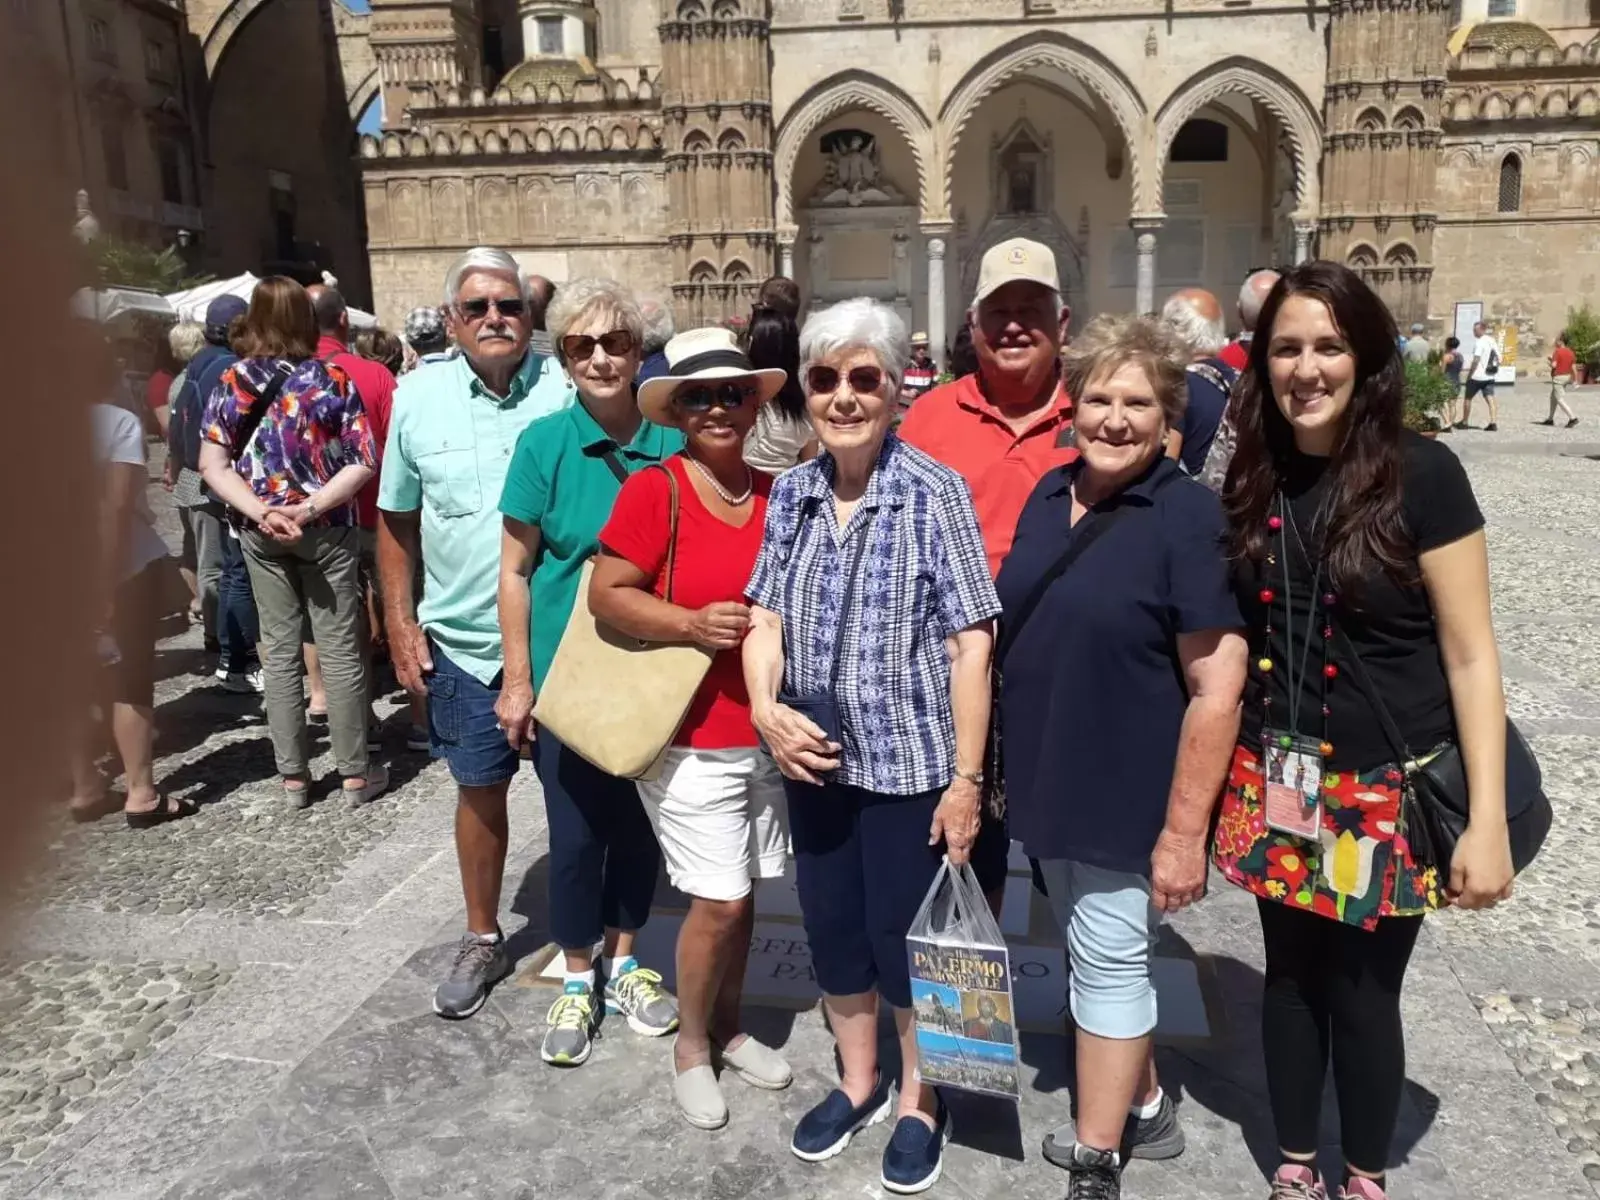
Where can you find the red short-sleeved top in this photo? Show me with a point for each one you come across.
(714, 564)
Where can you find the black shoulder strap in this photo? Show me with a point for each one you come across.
(1098, 525)
(265, 399)
(615, 463)
(849, 597)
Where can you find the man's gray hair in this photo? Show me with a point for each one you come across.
(1205, 335)
(858, 324)
(585, 300)
(186, 339)
(1253, 294)
(482, 258)
(658, 324)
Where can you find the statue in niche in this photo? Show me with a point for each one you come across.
(1286, 199)
(1021, 166)
(85, 228)
(853, 175)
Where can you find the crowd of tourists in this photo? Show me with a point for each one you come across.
(891, 579)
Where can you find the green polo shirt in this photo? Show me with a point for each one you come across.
(450, 445)
(560, 482)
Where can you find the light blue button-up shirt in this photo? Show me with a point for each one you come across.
(450, 444)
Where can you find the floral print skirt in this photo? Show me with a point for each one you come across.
(1359, 868)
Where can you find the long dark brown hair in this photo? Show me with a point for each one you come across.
(1365, 528)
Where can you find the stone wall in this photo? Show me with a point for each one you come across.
(1527, 272)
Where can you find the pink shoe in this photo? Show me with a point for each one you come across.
(1295, 1182)
(1362, 1189)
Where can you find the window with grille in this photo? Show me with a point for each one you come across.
(550, 39)
(100, 43)
(1502, 8)
(1511, 184)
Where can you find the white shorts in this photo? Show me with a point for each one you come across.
(721, 820)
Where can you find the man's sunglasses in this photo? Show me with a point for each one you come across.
(579, 347)
(704, 397)
(824, 381)
(477, 309)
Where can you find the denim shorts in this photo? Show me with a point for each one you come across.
(1110, 928)
(462, 727)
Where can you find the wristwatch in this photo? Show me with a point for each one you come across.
(970, 776)
(311, 508)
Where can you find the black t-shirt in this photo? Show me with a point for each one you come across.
(1389, 623)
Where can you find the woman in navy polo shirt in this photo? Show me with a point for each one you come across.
(1118, 576)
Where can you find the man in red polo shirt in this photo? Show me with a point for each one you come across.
(1006, 425)
(1252, 295)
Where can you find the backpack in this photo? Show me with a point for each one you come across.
(1215, 469)
(1493, 365)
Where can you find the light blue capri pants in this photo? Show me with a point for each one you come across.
(1110, 928)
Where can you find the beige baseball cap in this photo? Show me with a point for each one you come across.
(1013, 261)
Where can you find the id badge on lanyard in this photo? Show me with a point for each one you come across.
(1292, 769)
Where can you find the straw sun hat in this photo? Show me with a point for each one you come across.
(708, 356)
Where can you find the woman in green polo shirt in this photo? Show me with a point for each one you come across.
(565, 474)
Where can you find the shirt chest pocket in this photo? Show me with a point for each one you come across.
(450, 481)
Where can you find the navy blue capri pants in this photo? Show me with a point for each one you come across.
(862, 867)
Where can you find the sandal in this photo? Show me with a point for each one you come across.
(161, 813)
(299, 792)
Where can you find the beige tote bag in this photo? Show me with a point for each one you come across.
(614, 699)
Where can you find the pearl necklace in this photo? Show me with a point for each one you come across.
(731, 501)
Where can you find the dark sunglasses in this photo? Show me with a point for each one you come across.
(705, 397)
(477, 309)
(579, 347)
(824, 381)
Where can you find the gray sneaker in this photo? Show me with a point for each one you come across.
(479, 965)
(572, 1022)
(1156, 1137)
(638, 995)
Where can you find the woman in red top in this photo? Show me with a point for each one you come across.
(717, 806)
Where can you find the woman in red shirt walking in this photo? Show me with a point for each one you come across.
(718, 804)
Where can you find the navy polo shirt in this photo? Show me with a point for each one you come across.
(1093, 693)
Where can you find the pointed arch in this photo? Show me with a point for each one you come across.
(702, 272)
(736, 272)
(1370, 120)
(1409, 117)
(1401, 254)
(1064, 53)
(1273, 92)
(1362, 255)
(840, 93)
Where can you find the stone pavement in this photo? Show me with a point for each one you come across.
(238, 1005)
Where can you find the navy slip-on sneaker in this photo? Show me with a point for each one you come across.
(827, 1129)
(914, 1156)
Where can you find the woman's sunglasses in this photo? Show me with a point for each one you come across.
(824, 381)
(579, 347)
(704, 397)
(477, 309)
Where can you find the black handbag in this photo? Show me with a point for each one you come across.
(1435, 805)
(822, 708)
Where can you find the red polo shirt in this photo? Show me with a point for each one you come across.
(959, 427)
(375, 385)
(1236, 354)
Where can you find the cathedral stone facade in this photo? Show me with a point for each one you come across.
(693, 147)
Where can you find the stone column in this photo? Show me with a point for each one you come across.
(1302, 240)
(936, 299)
(786, 239)
(1144, 229)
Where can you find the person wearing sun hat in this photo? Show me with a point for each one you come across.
(718, 805)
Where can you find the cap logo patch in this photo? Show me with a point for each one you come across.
(1018, 255)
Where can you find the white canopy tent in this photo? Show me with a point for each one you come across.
(107, 304)
(191, 303)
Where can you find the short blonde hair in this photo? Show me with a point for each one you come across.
(586, 300)
(1109, 343)
(186, 339)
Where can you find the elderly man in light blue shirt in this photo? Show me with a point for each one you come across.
(453, 428)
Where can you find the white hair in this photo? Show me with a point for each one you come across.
(1060, 298)
(186, 339)
(1205, 335)
(585, 299)
(658, 324)
(1251, 297)
(487, 259)
(858, 324)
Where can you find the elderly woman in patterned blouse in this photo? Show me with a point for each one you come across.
(868, 668)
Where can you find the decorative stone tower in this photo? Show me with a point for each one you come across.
(1386, 77)
(423, 44)
(717, 124)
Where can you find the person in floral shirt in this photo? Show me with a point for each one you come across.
(288, 446)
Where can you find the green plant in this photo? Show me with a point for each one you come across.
(119, 263)
(1583, 333)
(1426, 394)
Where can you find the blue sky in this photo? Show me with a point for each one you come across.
(371, 118)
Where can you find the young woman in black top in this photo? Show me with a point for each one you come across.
(1351, 536)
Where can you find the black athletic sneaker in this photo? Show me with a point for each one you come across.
(1096, 1175)
(1158, 1137)
(1491, 427)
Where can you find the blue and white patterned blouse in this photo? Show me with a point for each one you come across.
(924, 577)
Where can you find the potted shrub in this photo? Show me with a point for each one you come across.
(1427, 393)
(1583, 338)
